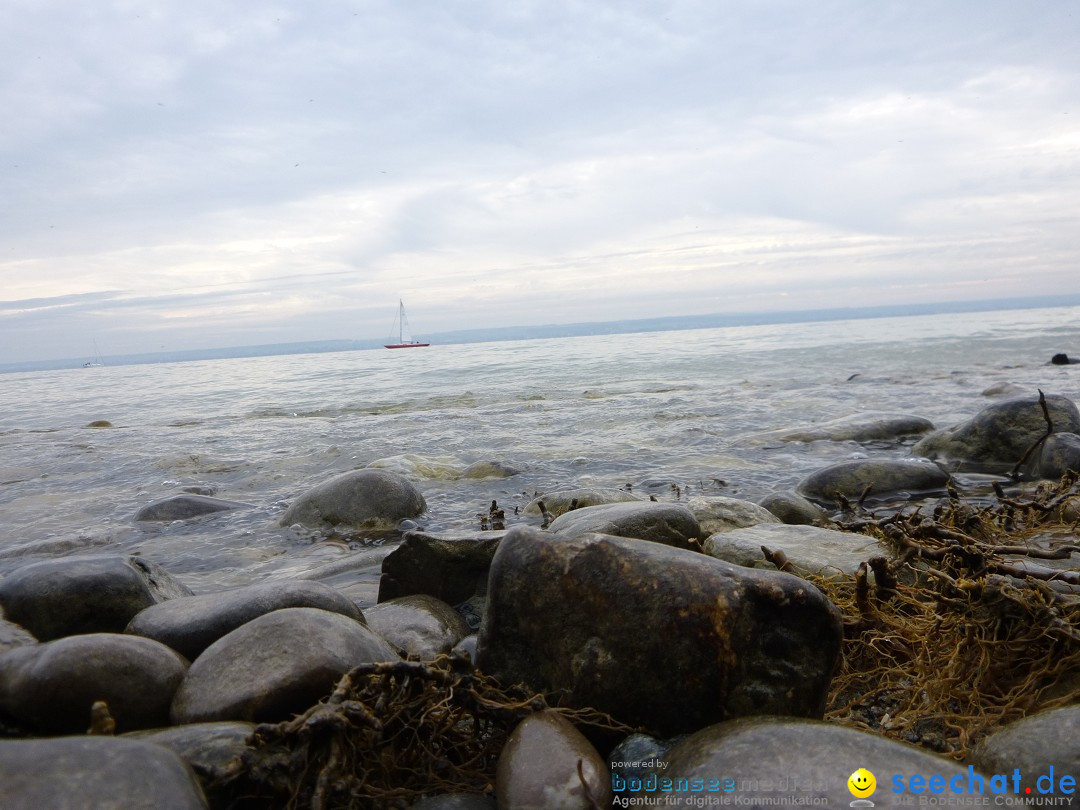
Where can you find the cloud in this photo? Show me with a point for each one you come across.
(222, 169)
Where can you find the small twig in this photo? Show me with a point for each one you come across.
(1014, 474)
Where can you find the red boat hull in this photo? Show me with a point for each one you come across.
(405, 345)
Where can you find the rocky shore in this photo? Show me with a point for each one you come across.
(601, 647)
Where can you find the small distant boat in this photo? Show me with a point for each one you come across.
(402, 331)
(96, 362)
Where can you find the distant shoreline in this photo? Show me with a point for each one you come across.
(538, 332)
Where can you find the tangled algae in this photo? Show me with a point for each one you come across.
(963, 630)
(389, 734)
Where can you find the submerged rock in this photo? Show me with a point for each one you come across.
(192, 624)
(999, 435)
(83, 594)
(771, 761)
(547, 763)
(450, 566)
(794, 509)
(51, 687)
(859, 427)
(361, 499)
(490, 469)
(274, 666)
(670, 523)
(421, 626)
(873, 480)
(821, 551)
(654, 635)
(185, 507)
(75, 773)
(716, 513)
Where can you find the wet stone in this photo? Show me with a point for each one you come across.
(84, 594)
(360, 499)
(185, 507)
(191, 624)
(669, 523)
(421, 626)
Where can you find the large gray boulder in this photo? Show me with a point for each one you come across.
(999, 435)
(361, 499)
(547, 763)
(275, 666)
(783, 762)
(71, 595)
(809, 548)
(419, 625)
(716, 513)
(185, 507)
(670, 523)
(51, 687)
(103, 773)
(654, 635)
(450, 566)
(873, 480)
(1043, 744)
(192, 624)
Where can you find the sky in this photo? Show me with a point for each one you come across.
(187, 174)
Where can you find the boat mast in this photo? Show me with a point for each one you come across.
(401, 321)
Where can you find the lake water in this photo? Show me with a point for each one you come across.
(648, 410)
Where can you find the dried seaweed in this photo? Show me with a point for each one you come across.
(957, 638)
(391, 733)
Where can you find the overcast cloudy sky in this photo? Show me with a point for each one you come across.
(192, 173)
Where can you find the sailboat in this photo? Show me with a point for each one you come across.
(96, 362)
(403, 330)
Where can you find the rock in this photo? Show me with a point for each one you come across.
(1060, 454)
(185, 507)
(213, 750)
(466, 648)
(654, 635)
(772, 761)
(51, 687)
(873, 480)
(1062, 359)
(859, 427)
(192, 624)
(104, 773)
(100, 423)
(547, 763)
(361, 499)
(13, 635)
(1045, 743)
(78, 594)
(822, 551)
(411, 465)
(490, 469)
(794, 509)
(451, 566)
(635, 756)
(421, 626)
(999, 435)
(669, 523)
(715, 513)
(275, 666)
(558, 503)
(1004, 389)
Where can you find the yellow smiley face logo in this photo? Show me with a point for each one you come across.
(862, 783)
